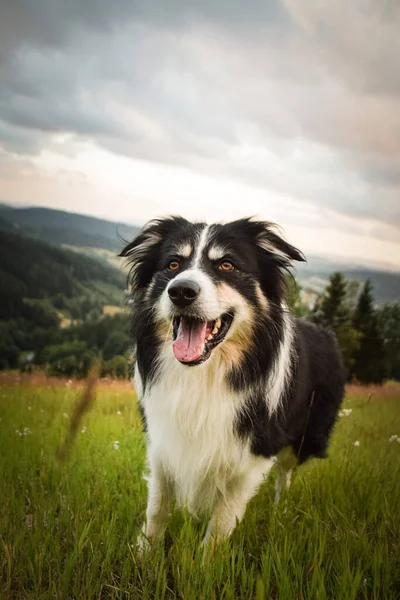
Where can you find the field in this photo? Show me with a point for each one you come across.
(67, 528)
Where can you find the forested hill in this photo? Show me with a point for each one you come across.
(314, 277)
(63, 228)
(102, 240)
(30, 269)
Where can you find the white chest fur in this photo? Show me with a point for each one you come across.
(190, 416)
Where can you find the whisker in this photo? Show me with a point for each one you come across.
(167, 336)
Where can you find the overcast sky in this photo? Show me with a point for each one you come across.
(288, 109)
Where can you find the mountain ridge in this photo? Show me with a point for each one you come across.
(61, 227)
(102, 240)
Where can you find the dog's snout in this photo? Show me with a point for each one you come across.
(183, 292)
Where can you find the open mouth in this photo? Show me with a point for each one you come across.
(194, 340)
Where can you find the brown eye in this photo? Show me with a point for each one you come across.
(226, 266)
(173, 265)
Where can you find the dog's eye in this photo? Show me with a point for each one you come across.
(173, 265)
(226, 266)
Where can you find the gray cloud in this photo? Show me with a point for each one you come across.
(297, 97)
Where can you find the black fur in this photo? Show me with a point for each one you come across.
(309, 409)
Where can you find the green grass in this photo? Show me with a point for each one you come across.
(67, 530)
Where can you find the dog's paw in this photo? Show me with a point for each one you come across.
(144, 543)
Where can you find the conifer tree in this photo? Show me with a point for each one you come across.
(331, 311)
(389, 326)
(369, 358)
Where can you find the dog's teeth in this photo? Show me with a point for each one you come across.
(215, 330)
(203, 348)
(210, 336)
(217, 323)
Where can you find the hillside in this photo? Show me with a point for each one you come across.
(32, 270)
(100, 239)
(64, 228)
(60, 310)
(313, 277)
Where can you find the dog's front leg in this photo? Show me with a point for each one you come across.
(230, 508)
(286, 464)
(158, 507)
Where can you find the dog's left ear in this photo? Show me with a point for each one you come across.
(275, 245)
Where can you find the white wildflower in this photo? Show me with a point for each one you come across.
(356, 443)
(65, 415)
(25, 431)
(84, 429)
(345, 412)
(119, 412)
(394, 438)
(116, 445)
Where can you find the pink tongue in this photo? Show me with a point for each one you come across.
(188, 345)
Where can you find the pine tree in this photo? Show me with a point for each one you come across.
(293, 296)
(389, 326)
(333, 304)
(369, 358)
(331, 311)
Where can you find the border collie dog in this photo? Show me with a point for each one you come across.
(229, 382)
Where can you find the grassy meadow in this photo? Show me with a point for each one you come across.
(67, 528)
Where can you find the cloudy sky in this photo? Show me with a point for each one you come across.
(288, 109)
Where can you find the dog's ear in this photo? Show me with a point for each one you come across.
(143, 252)
(272, 242)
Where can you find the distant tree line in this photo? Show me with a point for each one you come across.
(368, 337)
(66, 352)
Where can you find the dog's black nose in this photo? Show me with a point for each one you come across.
(183, 292)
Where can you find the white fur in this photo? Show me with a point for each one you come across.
(138, 383)
(216, 253)
(283, 365)
(200, 246)
(270, 247)
(190, 417)
(184, 250)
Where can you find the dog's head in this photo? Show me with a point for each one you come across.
(203, 286)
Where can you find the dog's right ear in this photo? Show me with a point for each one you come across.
(143, 252)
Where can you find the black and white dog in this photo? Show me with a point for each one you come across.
(229, 382)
